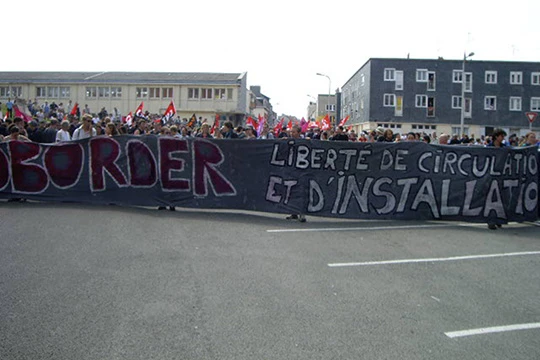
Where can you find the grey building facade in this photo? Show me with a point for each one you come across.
(423, 95)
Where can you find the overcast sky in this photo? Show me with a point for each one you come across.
(280, 44)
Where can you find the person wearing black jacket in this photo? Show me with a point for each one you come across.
(340, 135)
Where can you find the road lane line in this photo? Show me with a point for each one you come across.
(453, 258)
(377, 228)
(362, 228)
(494, 329)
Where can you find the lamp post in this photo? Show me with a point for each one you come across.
(329, 92)
(462, 123)
(310, 114)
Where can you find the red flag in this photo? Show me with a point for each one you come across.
(139, 111)
(251, 122)
(74, 110)
(129, 119)
(344, 121)
(170, 112)
(289, 125)
(277, 128)
(215, 126)
(326, 123)
(19, 113)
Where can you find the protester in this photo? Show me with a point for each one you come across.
(296, 134)
(86, 130)
(63, 134)
(498, 142)
(340, 135)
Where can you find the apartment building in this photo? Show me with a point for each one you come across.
(423, 95)
(203, 94)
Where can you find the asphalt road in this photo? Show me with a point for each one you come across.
(105, 282)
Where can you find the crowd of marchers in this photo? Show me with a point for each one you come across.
(54, 130)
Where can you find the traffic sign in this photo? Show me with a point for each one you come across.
(531, 116)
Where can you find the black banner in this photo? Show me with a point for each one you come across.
(408, 180)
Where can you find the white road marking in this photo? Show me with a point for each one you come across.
(362, 228)
(436, 299)
(454, 258)
(399, 227)
(494, 329)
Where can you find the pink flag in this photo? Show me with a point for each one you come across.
(304, 124)
(262, 121)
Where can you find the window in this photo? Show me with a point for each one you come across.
(53, 92)
(516, 77)
(491, 77)
(91, 92)
(41, 92)
(389, 74)
(193, 93)
(4, 91)
(431, 80)
(389, 100)
(65, 92)
(141, 93)
(206, 93)
(421, 101)
(431, 107)
(535, 104)
(362, 80)
(490, 103)
(330, 107)
(515, 103)
(535, 78)
(457, 76)
(103, 91)
(229, 94)
(468, 82)
(399, 80)
(16, 91)
(167, 93)
(219, 94)
(468, 108)
(456, 102)
(116, 92)
(154, 93)
(421, 75)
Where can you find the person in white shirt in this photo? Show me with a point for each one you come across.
(63, 134)
(86, 130)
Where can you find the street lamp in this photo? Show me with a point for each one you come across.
(329, 91)
(462, 123)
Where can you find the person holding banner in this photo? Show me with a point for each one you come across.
(498, 142)
(530, 140)
(296, 133)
